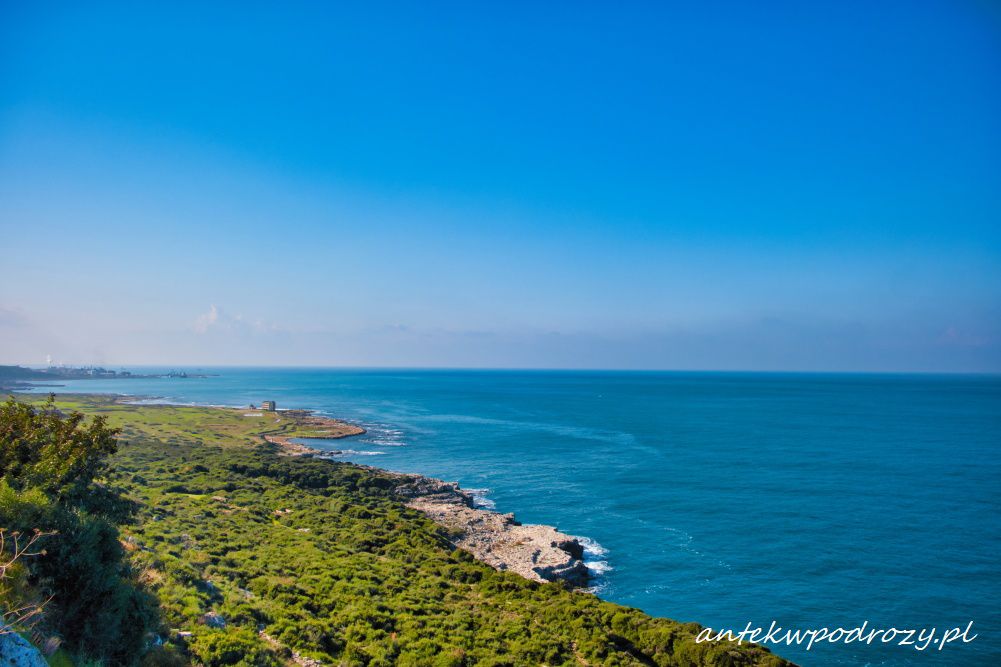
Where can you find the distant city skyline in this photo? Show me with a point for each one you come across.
(724, 186)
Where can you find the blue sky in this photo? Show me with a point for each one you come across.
(794, 186)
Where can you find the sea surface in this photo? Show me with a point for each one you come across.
(814, 500)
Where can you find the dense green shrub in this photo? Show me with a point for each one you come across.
(258, 558)
(48, 465)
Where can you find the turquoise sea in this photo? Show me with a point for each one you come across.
(814, 500)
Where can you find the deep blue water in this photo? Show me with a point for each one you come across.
(811, 500)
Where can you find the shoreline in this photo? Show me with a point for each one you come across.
(231, 533)
(536, 552)
(315, 427)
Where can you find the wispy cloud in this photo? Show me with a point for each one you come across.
(216, 319)
(206, 321)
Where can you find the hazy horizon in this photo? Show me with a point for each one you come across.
(164, 368)
(645, 187)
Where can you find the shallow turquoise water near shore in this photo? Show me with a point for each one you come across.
(810, 499)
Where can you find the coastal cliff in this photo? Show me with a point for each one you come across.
(536, 552)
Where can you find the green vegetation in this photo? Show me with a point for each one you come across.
(259, 559)
(48, 466)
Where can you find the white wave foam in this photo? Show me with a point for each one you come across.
(383, 435)
(480, 499)
(598, 567)
(592, 548)
(386, 442)
(357, 452)
(595, 562)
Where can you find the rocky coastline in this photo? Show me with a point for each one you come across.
(537, 552)
(305, 425)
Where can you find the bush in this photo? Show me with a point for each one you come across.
(49, 463)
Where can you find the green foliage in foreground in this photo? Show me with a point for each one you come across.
(254, 556)
(48, 465)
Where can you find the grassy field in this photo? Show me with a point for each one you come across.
(220, 427)
(261, 559)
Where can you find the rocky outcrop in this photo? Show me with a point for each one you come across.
(536, 552)
(16, 651)
(304, 425)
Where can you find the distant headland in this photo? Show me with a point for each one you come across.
(19, 377)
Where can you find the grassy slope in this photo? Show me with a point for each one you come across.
(324, 559)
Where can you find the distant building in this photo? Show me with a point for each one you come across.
(269, 406)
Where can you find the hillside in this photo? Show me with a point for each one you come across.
(12, 377)
(262, 559)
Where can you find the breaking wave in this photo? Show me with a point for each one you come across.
(480, 499)
(596, 561)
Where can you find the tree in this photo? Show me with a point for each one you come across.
(51, 465)
(59, 454)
